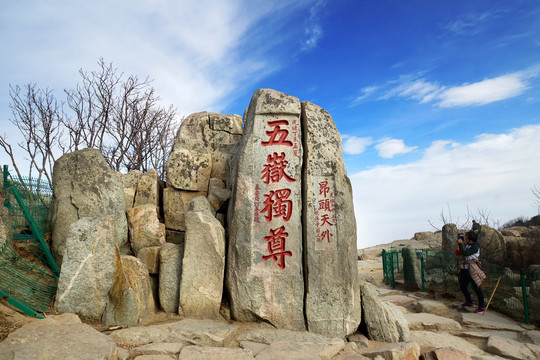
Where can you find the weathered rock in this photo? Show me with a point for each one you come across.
(85, 186)
(219, 133)
(218, 194)
(285, 340)
(424, 321)
(489, 320)
(492, 245)
(381, 324)
(59, 338)
(397, 351)
(206, 352)
(332, 303)
(412, 273)
(145, 230)
(511, 349)
(400, 300)
(359, 339)
(449, 237)
(445, 353)
(89, 267)
(149, 256)
(156, 357)
(264, 273)
(158, 349)
(170, 263)
(147, 189)
(520, 251)
(431, 307)
(533, 336)
(130, 182)
(195, 332)
(189, 166)
(429, 340)
(203, 265)
(423, 235)
(131, 295)
(290, 350)
(176, 205)
(402, 326)
(174, 237)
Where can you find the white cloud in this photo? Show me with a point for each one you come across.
(355, 145)
(471, 24)
(195, 51)
(313, 30)
(495, 172)
(484, 92)
(474, 94)
(364, 94)
(388, 148)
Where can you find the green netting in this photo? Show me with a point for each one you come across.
(28, 274)
(517, 294)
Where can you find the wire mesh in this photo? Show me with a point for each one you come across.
(518, 293)
(25, 273)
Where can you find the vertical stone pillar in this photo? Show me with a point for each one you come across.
(332, 302)
(264, 268)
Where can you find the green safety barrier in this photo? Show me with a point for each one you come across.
(28, 272)
(517, 295)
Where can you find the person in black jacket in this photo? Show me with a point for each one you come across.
(470, 271)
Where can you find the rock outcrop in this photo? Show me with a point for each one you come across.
(89, 268)
(265, 277)
(85, 186)
(203, 264)
(332, 300)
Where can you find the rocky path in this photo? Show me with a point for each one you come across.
(434, 324)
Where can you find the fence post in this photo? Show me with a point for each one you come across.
(422, 270)
(523, 277)
(392, 280)
(385, 276)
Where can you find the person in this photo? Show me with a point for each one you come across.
(475, 226)
(470, 271)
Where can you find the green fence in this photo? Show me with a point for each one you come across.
(516, 295)
(28, 272)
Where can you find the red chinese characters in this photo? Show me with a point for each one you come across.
(278, 206)
(274, 169)
(325, 217)
(276, 246)
(277, 136)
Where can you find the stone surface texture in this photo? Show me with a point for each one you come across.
(145, 230)
(265, 278)
(170, 259)
(203, 264)
(381, 324)
(332, 300)
(147, 189)
(89, 267)
(59, 337)
(131, 295)
(85, 186)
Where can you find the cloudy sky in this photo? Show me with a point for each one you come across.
(438, 102)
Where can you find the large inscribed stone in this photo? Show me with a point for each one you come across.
(332, 290)
(264, 274)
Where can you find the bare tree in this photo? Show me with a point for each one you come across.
(36, 113)
(121, 117)
(536, 192)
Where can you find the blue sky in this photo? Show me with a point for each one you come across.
(438, 102)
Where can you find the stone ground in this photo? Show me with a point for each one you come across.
(434, 323)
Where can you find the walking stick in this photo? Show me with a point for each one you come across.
(493, 293)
